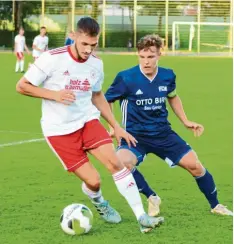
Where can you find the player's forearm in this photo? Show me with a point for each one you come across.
(27, 89)
(177, 108)
(36, 48)
(111, 105)
(102, 105)
(26, 48)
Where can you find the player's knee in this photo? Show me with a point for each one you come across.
(195, 168)
(199, 169)
(191, 163)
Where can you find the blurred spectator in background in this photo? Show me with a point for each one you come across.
(129, 45)
(177, 43)
(70, 38)
(40, 43)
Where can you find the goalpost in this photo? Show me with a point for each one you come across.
(202, 37)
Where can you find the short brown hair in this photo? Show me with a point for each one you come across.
(150, 41)
(89, 26)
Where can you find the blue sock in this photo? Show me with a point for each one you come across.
(142, 185)
(208, 188)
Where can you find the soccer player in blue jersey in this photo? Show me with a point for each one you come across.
(143, 91)
(70, 39)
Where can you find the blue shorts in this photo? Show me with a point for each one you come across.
(171, 147)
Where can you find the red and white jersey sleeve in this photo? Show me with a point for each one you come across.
(56, 70)
(40, 70)
(20, 43)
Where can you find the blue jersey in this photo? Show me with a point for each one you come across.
(69, 42)
(143, 102)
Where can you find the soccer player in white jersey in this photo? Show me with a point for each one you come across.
(71, 79)
(20, 45)
(40, 43)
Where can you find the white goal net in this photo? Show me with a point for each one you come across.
(205, 37)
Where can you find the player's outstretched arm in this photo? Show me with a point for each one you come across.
(111, 130)
(15, 48)
(102, 105)
(26, 48)
(177, 107)
(36, 48)
(24, 87)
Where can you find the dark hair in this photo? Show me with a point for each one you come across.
(89, 26)
(150, 41)
(43, 27)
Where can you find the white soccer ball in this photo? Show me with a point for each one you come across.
(76, 219)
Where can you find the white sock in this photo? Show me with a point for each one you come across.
(128, 189)
(22, 65)
(17, 66)
(95, 197)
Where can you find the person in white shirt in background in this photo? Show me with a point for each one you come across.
(20, 45)
(40, 43)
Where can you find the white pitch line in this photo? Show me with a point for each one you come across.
(20, 142)
(19, 132)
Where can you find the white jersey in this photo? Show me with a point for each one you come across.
(40, 42)
(56, 70)
(20, 43)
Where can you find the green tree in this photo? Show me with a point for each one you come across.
(150, 8)
(216, 9)
(23, 9)
(5, 13)
(130, 5)
(95, 10)
(154, 8)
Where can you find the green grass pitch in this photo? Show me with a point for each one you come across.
(34, 187)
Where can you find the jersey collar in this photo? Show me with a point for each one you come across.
(150, 80)
(73, 57)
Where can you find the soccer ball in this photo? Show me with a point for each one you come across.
(76, 219)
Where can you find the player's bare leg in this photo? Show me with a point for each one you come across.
(22, 65)
(91, 187)
(129, 159)
(17, 65)
(126, 185)
(19, 62)
(205, 182)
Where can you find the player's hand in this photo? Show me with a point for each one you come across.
(195, 127)
(28, 52)
(111, 132)
(65, 97)
(121, 133)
